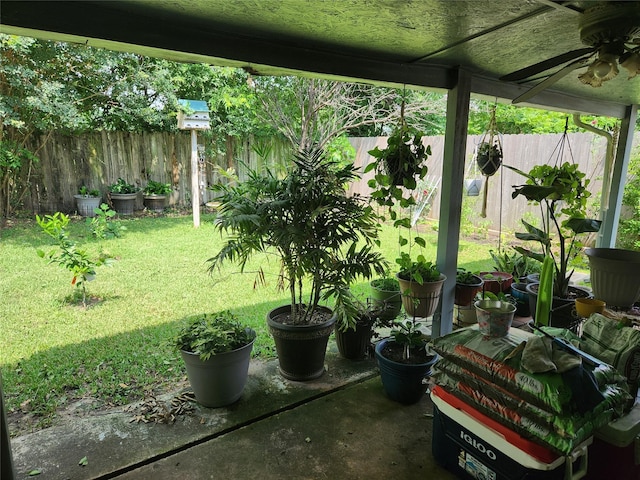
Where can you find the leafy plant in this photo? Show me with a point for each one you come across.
(213, 333)
(419, 270)
(77, 261)
(491, 149)
(561, 193)
(157, 188)
(409, 336)
(102, 226)
(121, 186)
(465, 277)
(86, 192)
(388, 284)
(320, 234)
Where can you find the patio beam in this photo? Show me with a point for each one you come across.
(453, 165)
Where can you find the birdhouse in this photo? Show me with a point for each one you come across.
(193, 115)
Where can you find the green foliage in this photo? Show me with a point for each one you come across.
(157, 188)
(213, 333)
(408, 335)
(320, 234)
(516, 263)
(86, 192)
(419, 270)
(102, 226)
(465, 277)
(562, 195)
(77, 261)
(387, 284)
(121, 186)
(13, 157)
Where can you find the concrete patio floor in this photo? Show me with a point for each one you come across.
(339, 426)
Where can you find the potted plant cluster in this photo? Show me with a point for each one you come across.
(123, 195)
(561, 193)
(155, 194)
(87, 200)
(216, 349)
(404, 361)
(323, 239)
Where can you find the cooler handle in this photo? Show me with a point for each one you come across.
(579, 453)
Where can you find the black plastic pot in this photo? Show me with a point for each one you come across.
(563, 310)
(301, 348)
(352, 344)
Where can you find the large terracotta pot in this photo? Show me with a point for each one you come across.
(615, 275)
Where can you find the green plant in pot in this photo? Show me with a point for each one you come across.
(489, 156)
(87, 200)
(561, 193)
(324, 241)
(123, 195)
(155, 194)
(467, 285)
(420, 281)
(216, 349)
(404, 360)
(385, 293)
(354, 340)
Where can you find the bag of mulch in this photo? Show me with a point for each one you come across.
(498, 361)
(611, 342)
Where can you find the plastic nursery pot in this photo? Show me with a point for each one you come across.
(585, 307)
(614, 275)
(494, 317)
(496, 282)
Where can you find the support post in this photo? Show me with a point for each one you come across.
(195, 186)
(609, 227)
(455, 149)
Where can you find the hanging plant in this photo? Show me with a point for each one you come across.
(403, 159)
(489, 156)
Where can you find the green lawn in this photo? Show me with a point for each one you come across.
(53, 351)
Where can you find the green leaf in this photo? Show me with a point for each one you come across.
(83, 462)
(583, 225)
(35, 472)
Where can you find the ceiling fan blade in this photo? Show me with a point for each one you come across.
(550, 80)
(545, 65)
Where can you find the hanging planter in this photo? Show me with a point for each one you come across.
(473, 186)
(489, 156)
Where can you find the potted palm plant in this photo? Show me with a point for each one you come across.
(324, 240)
(87, 200)
(561, 193)
(123, 195)
(216, 349)
(155, 194)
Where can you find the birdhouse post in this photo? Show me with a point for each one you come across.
(194, 115)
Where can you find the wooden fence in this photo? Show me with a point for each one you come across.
(98, 159)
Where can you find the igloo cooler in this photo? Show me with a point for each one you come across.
(474, 446)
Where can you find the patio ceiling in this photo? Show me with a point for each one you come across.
(392, 42)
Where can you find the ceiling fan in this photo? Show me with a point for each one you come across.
(612, 32)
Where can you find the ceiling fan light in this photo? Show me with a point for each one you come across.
(602, 69)
(632, 64)
(588, 78)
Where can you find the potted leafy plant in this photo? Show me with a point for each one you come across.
(420, 280)
(353, 340)
(420, 284)
(216, 349)
(561, 193)
(123, 195)
(155, 194)
(323, 239)
(385, 294)
(467, 285)
(404, 361)
(489, 156)
(87, 200)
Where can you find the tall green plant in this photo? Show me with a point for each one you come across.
(561, 192)
(68, 255)
(323, 237)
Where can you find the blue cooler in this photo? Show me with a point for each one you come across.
(473, 446)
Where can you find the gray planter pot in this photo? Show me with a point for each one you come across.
(220, 380)
(615, 275)
(124, 203)
(155, 203)
(86, 205)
